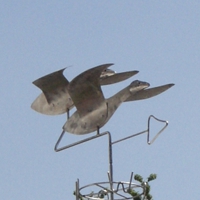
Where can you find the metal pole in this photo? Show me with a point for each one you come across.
(110, 143)
(110, 165)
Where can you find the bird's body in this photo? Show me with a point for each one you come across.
(98, 117)
(93, 110)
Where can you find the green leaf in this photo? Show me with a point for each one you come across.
(139, 178)
(152, 177)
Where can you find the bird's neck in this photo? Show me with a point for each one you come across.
(120, 97)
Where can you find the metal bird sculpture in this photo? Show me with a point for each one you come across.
(55, 98)
(93, 110)
(84, 91)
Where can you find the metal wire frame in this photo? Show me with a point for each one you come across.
(110, 143)
(121, 191)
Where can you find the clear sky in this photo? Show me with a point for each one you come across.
(160, 39)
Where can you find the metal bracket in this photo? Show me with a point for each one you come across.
(110, 143)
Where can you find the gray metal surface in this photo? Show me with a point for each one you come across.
(115, 78)
(148, 93)
(55, 99)
(84, 91)
(93, 110)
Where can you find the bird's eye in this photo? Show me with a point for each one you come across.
(138, 82)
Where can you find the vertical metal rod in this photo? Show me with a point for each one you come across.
(77, 189)
(110, 165)
(67, 113)
(130, 180)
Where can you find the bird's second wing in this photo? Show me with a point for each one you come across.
(148, 93)
(115, 78)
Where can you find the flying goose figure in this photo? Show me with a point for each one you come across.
(55, 98)
(93, 110)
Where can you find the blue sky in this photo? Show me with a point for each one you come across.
(159, 39)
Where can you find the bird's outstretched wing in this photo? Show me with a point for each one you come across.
(52, 85)
(85, 90)
(148, 93)
(115, 78)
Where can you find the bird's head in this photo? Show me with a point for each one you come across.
(138, 85)
(107, 72)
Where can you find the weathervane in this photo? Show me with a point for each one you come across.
(93, 112)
